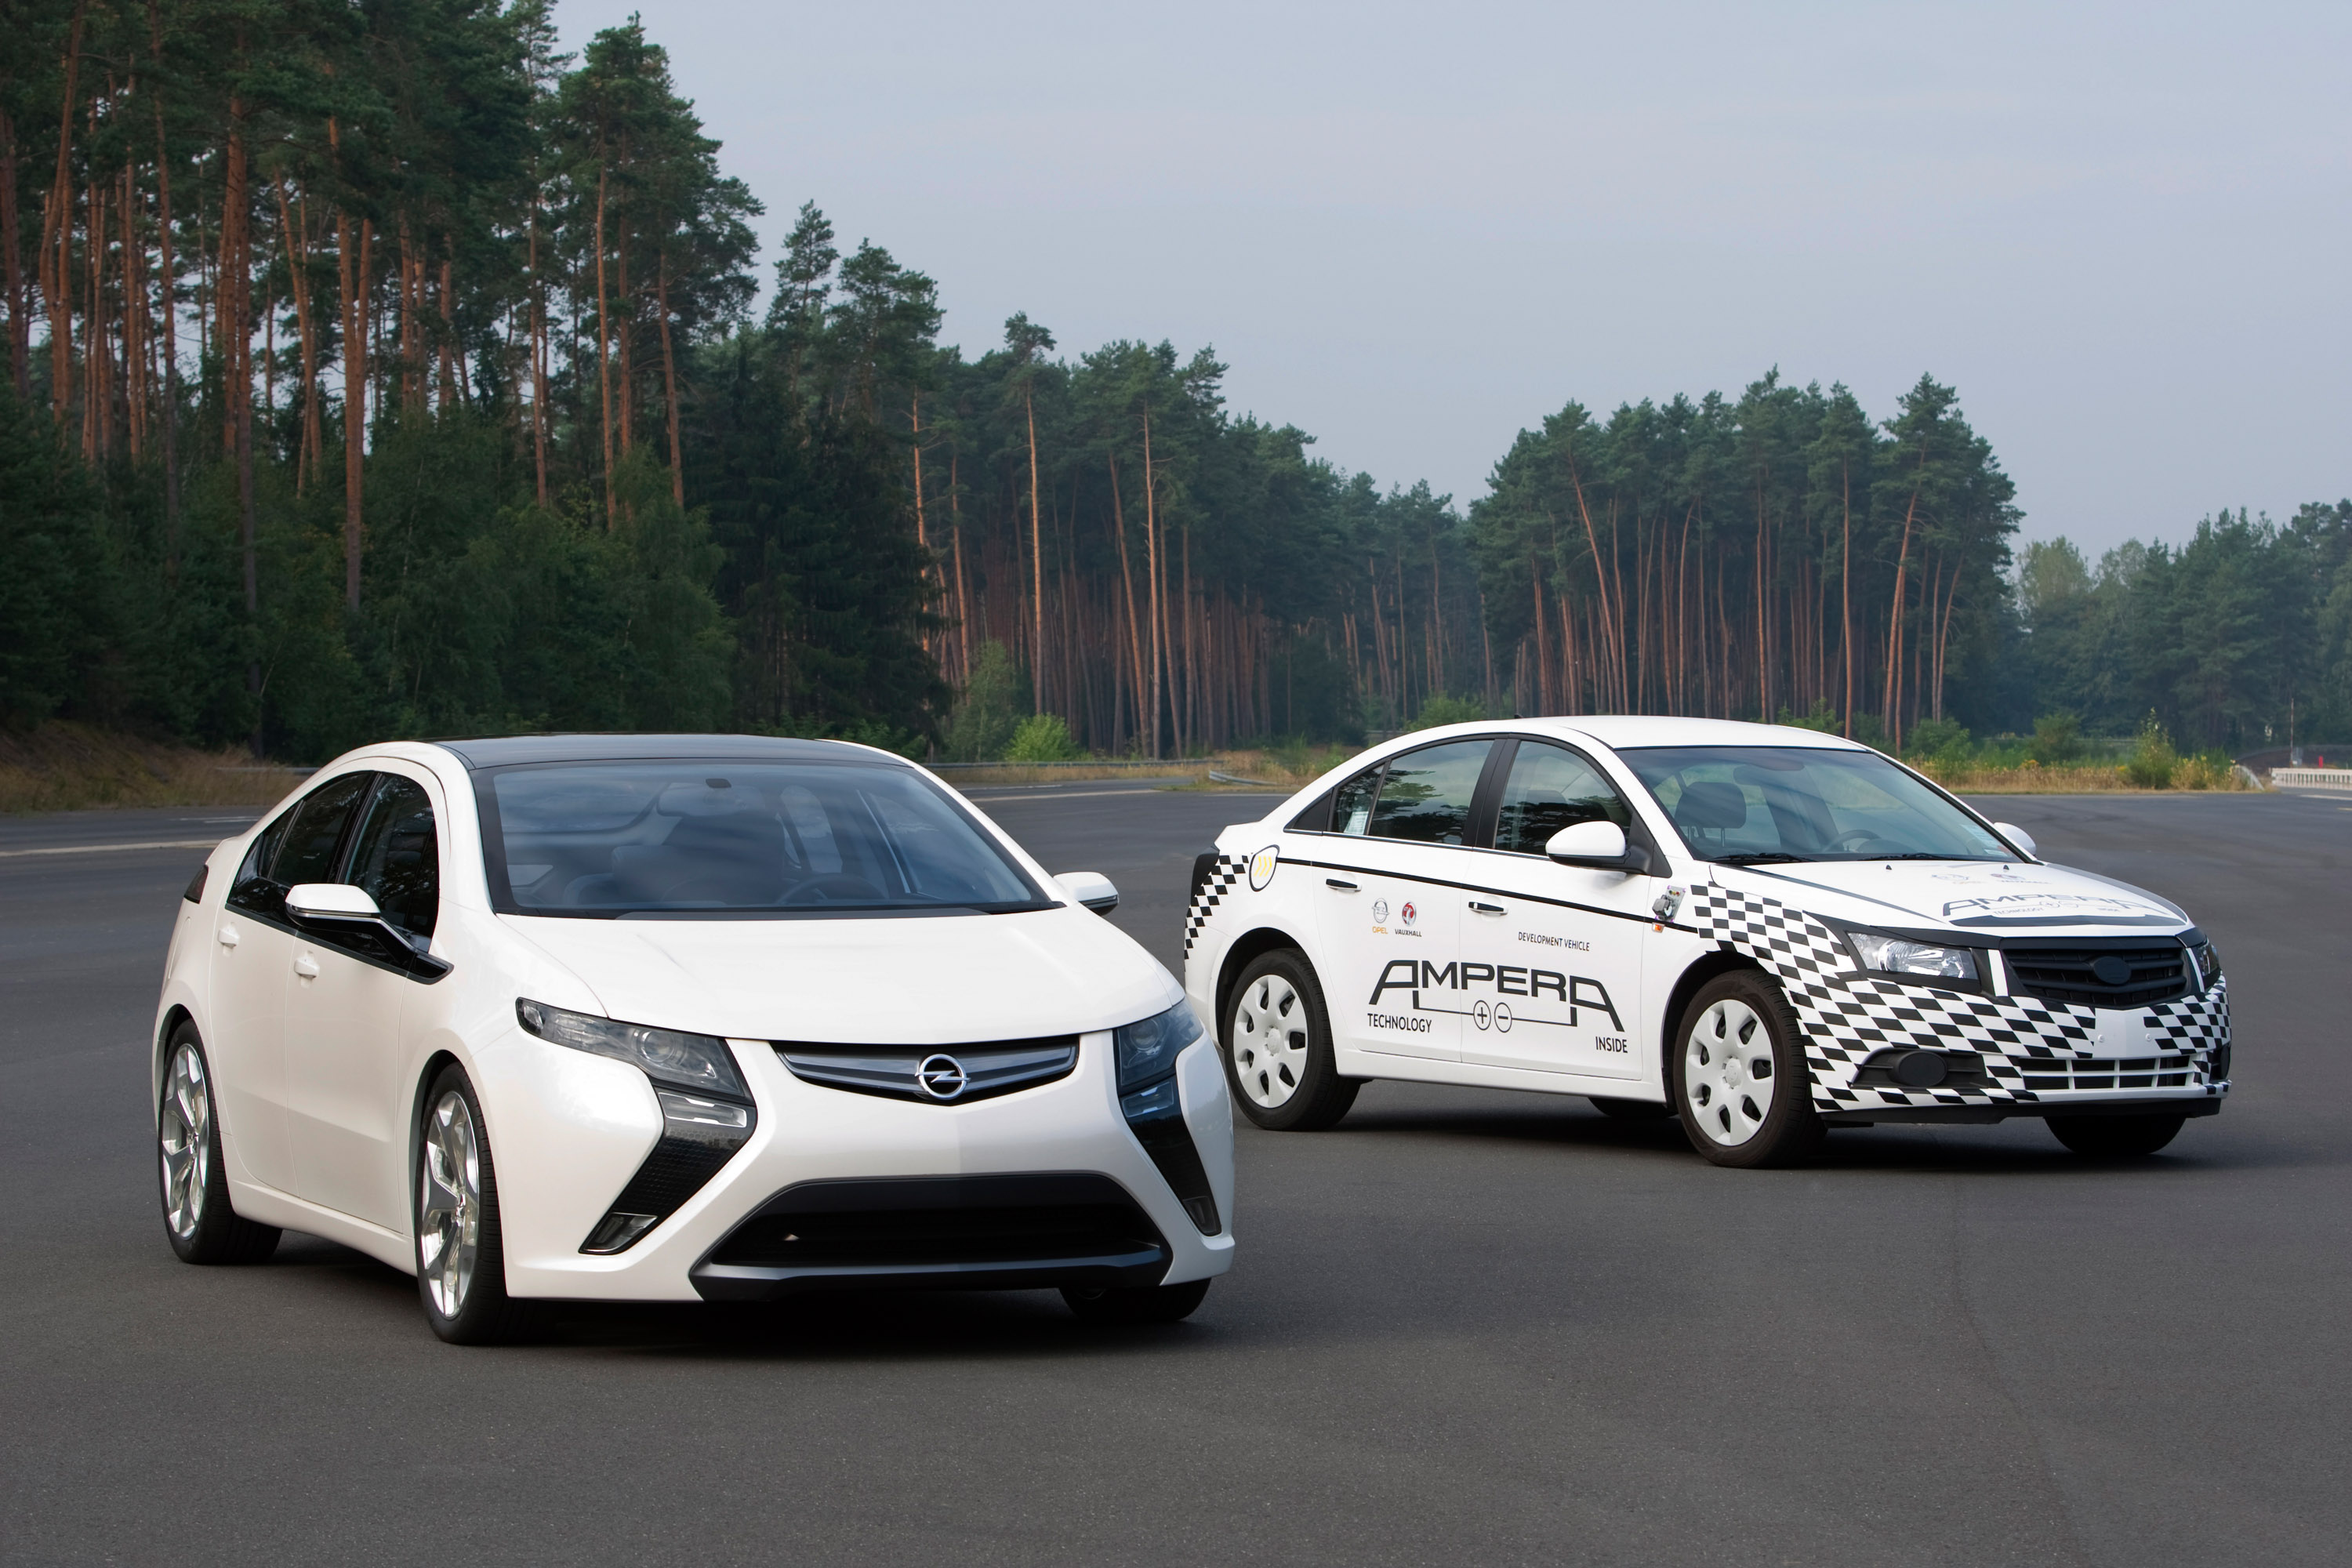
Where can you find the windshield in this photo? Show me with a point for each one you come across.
(605, 839)
(1757, 805)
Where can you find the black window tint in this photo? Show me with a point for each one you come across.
(1351, 802)
(1552, 788)
(1426, 795)
(253, 889)
(308, 854)
(395, 857)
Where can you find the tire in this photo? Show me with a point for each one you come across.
(1136, 1303)
(1277, 1040)
(1740, 1081)
(461, 1259)
(2115, 1137)
(198, 1220)
(1631, 1110)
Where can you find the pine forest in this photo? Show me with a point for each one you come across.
(377, 368)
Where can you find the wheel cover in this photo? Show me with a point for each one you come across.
(448, 1204)
(184, 1133)
(1728, 1072)
(1270, 1041)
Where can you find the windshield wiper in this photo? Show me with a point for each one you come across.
(1760, 857)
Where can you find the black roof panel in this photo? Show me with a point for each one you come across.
(496, 752)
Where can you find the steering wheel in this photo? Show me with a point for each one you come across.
(838, 887)
(1861, 834)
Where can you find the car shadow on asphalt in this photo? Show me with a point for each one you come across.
(845, 1326)
(2019, 1147)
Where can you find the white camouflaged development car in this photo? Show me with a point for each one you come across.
(1766, 931)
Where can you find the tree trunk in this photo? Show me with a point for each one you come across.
(1037, 554)
(20, 329)
(57, 231)
(1151, 551)
(669, 386)
(354, 277)
(538, 356)
(170, 319)
(604, 357)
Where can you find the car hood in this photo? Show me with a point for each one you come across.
(1968, 895)
(933, 980)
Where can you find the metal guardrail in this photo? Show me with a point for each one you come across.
(1163, 763)
(2312, 778)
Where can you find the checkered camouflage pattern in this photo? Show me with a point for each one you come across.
(1848, 1017)
(1212, 893)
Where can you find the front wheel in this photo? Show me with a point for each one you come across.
(1279, 1048)
(1739, 1078)
(197, 1218)
(460, 1254)
(1136, 1303)
(2115, 1137)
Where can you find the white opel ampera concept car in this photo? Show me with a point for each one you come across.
(1764, 931)
(669, 1017)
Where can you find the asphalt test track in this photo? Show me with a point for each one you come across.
(1465, 1326)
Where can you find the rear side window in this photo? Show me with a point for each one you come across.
(1351, 802)
(1427, 793)
(300, 846)
(1550, 788)
(395, 857)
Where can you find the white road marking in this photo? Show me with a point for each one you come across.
(103, 848)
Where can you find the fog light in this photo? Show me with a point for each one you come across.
(1920, 1069)
(616, 1230)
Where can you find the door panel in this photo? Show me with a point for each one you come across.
(1555, 952)
(1391, 926)
(345, 1026)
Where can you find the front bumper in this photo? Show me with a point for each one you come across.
(812, 1138)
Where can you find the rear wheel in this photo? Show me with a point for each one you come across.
(197, 1218)
(2115, 1137)
(1740, 1079)
(460, 1255)
(1136, 1303)
(1279, 1048)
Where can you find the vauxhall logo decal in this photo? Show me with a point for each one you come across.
(1578, 991)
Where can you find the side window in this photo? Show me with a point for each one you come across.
(300, 846)
(1552, 788)
(1351, 802)
(395, 857)
(1427, 793)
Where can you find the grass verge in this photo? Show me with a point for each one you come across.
(62, 766)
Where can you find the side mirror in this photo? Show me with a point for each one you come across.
(340, 912)
(330, 904)
(1597, 846)
(2017, 836)
(1091, 888)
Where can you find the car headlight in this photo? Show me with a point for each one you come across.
(1145, 1054)
(1895, 955)
(2208, 960)
(700, 1063)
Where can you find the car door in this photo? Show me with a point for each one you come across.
(1555, 951)
(1388, 916)
(346, 1008)
(253, 959)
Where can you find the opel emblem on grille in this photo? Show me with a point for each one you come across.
(941, 1077)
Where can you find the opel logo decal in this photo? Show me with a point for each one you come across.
(941, 1077)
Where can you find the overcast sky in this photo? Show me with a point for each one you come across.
(2121, 231)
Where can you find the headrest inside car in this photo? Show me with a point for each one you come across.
(1711, 804)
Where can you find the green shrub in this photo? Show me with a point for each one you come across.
(1823, 717)
(2057, 740)
(2153, 761)
(1043, 738)
(1944, 741)
(985, 718)
(1443, 710)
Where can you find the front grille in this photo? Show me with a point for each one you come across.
(994, 1232)
(896, 1072)
(2109, 1072)
(2091, 977)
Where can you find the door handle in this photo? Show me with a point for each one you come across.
(1342, 883)
(306, 966)
(1477, 908)
(228, 934)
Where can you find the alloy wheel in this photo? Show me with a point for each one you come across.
(1728, 1072)
(449, 1203)
(1270, 1041)
(185, 1136)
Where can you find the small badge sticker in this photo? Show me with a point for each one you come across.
(1262, 866)
(1380, 912)
(1410, 914)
